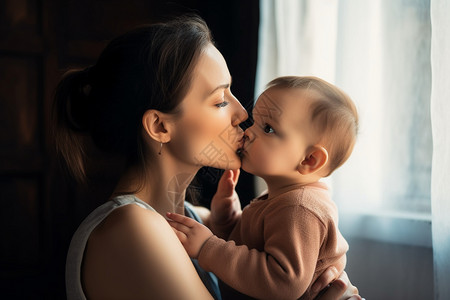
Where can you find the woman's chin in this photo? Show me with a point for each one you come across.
(244, 161)
(236, 164)
(232, 164)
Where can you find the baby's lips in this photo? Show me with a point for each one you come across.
(241, 149)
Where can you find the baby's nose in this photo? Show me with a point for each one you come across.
(249, 135)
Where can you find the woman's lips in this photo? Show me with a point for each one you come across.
(240, 151)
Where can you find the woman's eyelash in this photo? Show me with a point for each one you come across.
(222, 104)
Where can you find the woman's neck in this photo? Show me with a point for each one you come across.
(163, 188)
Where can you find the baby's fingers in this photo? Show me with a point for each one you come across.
(180, 235)
(179, 226)
(226, 184)
(236, 176)
(181, 219)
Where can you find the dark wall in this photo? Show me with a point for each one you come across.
(39, 40)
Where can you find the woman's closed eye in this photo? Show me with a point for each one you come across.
(222, 104)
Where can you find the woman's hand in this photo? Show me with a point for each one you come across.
(329, 289)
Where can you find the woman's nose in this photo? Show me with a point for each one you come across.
(239, 113)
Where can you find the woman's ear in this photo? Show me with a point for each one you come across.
(314, 161)
(155, 123)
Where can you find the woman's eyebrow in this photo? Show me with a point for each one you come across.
(222, 86)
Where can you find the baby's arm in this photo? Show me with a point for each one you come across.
(225, 205)
(191, 233)
(194, 235)
(282, 268)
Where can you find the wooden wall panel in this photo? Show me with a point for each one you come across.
(19, 223)
(21, 250)
(21, 26)
(19, 109)
(22, 156)
(87, 26)
(19, 16)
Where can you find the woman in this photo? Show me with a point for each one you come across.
(158, 97)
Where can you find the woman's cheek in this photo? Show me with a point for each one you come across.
(215, 152)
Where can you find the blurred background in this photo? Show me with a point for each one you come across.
(379, 52)
(39, 41)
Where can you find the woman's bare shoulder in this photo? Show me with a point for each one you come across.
(127, 250)
(130, 217)
(133, 226)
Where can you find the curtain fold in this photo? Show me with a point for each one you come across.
(440, 115)
(293, 41)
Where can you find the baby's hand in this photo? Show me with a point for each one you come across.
(191, 233)
(225, 205)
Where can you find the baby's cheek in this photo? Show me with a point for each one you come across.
(265, 158)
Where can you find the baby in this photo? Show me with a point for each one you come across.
(304, 129)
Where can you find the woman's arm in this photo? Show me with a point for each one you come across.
(135, 254)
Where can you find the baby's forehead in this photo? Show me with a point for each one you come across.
(267, 105)
(277, 99)
(288, 106)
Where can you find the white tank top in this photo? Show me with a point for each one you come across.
(74, 288)
(77, 246)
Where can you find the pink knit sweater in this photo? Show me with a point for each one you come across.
(279, 246)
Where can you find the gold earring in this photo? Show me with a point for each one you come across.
(160, 148)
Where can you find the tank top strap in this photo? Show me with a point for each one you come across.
(130, 199)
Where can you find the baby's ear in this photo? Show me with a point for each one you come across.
(315, 160)
(156, 125)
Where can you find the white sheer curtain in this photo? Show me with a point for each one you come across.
(440, 113)
(379, 53)
(393, 59)
(293, 39)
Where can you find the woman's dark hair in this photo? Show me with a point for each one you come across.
(147, 68)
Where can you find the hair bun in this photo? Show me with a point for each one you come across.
(78, 87)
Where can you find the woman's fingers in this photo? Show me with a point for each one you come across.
(324, 280)
(334, 291)
(351, 291)
(340, 289)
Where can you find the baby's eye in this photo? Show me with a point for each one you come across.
(222, 104)
(268, 129)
